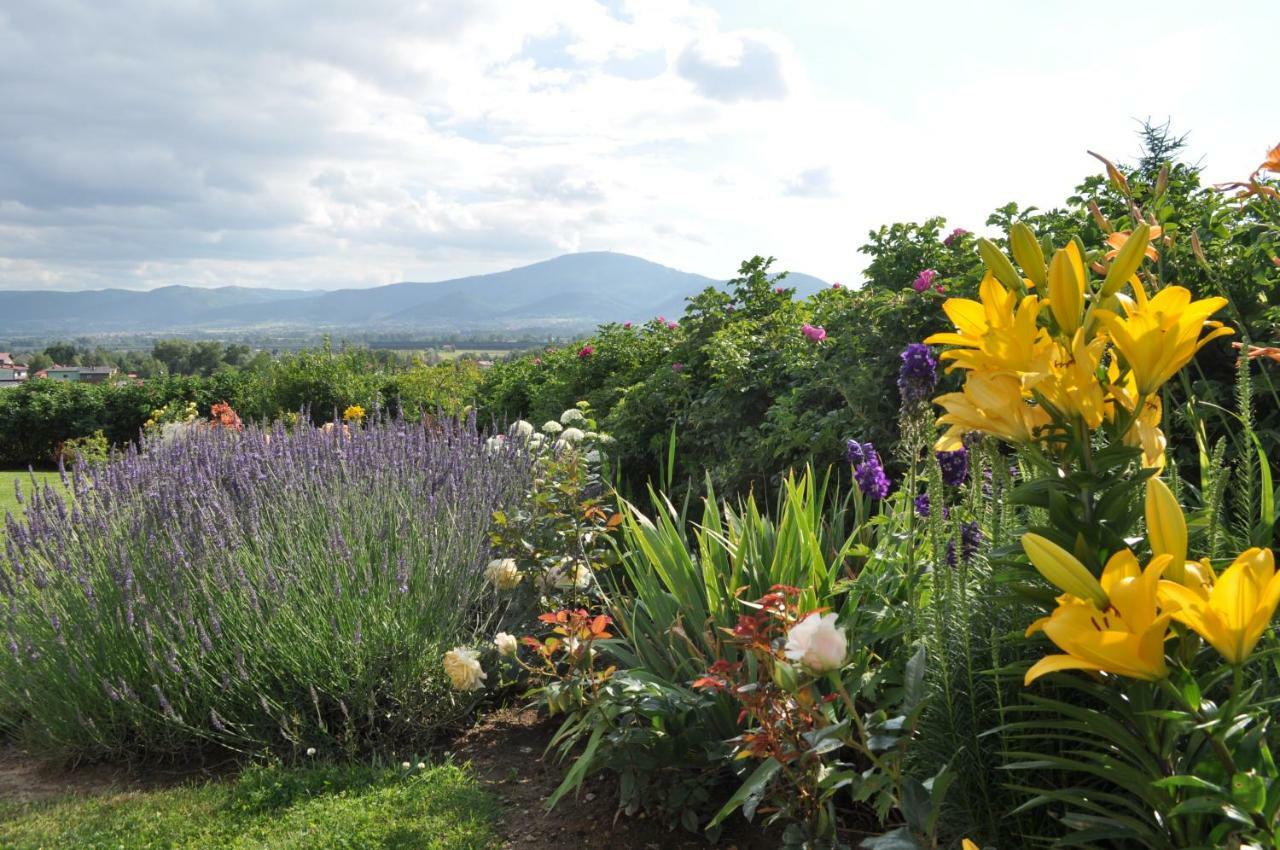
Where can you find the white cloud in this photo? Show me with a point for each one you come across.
(316, 143)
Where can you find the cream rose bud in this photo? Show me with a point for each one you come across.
(463, 669)
(503, 573)
(521, 428)
(505, 643)
(818, 643)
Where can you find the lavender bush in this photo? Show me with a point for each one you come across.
(252, 590)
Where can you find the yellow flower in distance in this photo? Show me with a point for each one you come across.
(354, 413)
(1159, 335)
(992, 404)
(1234, 613)
(997, 334)
(1126, 637)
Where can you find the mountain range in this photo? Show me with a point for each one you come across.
(571, 292)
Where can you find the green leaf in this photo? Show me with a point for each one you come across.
(1249, 791)
(749, 793)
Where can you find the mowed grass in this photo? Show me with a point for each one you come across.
(439, 808)
(8, 497)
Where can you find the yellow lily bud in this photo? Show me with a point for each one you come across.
(1166, 527)
(1128, 260)
(1026, 250)
(1063, 570)
(1066, 288)
(999, 265)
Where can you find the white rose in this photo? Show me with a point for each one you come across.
(521, 429)
(505, 643)
(818, 643)
(568, 576)
(503, 573)
(463, 669)
(573, 414)
(552, 427)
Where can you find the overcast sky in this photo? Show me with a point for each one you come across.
(309, 143)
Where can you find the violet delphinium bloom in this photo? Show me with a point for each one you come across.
(813, 332)
(970, 539)
(922, 505)
(955, 466)
(918, 374)
(924, 280)
(869, 472)
(856, 452)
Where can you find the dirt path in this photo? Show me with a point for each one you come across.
(505, 749)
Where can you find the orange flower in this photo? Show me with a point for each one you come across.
(1272, 162)
(1116, 242)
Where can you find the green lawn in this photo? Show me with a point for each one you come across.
(439, 808)
(8, 504)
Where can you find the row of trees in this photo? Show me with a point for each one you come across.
(37, 417)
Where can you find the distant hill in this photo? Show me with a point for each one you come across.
(571, 292)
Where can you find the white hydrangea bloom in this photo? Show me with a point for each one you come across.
(552, 427)
(571, 415)
(521, 428)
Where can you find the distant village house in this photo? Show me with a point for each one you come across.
(11, 373)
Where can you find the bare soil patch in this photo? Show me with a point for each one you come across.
(505, 749)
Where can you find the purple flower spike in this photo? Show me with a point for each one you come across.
(918, 374)
(955, 466)
(869, 471)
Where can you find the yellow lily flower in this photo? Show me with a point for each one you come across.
(1072, 385)
(997, 334)
(1125, 638)
(990, 403)
(1066, 288)
(1145, 431)
(1159, 335)
(966, 844)
(1063, 570)
(1233, 614)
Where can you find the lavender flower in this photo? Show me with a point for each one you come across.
(955, 466)
(918, 374)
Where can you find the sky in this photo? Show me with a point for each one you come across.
(319, 144)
